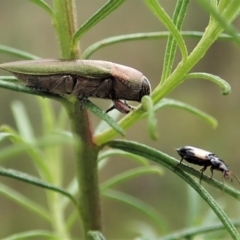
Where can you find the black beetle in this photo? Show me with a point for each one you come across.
(84, 79)
(206, 159)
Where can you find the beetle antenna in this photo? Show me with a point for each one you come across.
(235, 177)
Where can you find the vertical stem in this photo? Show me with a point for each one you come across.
(57, 214)
(54, 164)
(64, 23)
(85, 151)
(86, 169)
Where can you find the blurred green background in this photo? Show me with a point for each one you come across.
(25, 26)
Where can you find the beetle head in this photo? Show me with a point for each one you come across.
(220, 165)
(145, 88)
(184, 150)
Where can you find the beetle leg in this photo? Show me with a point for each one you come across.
(122, 107)
(57, 84)
(202, 170)
(110, 109)
(211, 169)
(223, 179)
(82, 100)
(178, 164)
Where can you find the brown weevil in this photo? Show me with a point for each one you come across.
(206, 159)
(84, 79)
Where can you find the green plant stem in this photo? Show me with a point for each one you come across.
(181, 70)
(64, 22)
(57, 216)
(85, 150)
(190, 233)
(86, 169)
(142, 36)
(171, 47)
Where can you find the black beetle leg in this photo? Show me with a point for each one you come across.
(223, 180)
(110, 109)
(202, 170)
(211, 169)
(82, 100)
(178, 164)
(180, 161)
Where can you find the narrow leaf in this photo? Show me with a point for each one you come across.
(33, 235)
(102, 126)
(223, 18)
(143, 36)
(9, 78)
(43, 5)
(24, 201)
(17, 53)
(190, 233)
(139, 205)
(48, 116)
(194, 207)
(166, 102)
(22, 147)
(20, 88)
(111, 152)
(34, 181)
(72, 219)
(4, 136)
(72, 189)
(104, 116)
(22, 121)
(170, 52)
(157, 9)
(152, 121)
(104, 11)
(125, 176)
(225, 86)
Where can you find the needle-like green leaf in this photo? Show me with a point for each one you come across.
(104, 11)
(34, 181)
(104, 116)
(33, 234)
(43, 5)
